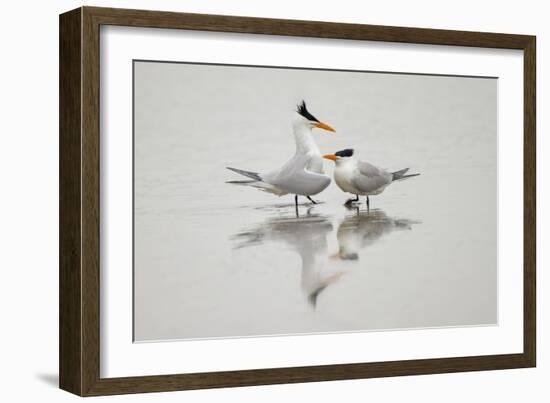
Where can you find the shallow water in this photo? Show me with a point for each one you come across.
(218, 260)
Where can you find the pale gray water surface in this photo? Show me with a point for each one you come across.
(219, 260)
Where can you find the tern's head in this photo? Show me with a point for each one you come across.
(304, 118)
(341, 156)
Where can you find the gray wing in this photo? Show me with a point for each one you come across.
(369, 177)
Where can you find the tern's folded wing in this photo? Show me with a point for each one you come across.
(369, 177)
(370, 170)
(304, 182)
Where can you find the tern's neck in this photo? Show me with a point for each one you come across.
(304, 140)
(346, 163)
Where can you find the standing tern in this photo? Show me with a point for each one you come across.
(361, 178)
(303, 174)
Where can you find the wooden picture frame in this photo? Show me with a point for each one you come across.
(79, 348)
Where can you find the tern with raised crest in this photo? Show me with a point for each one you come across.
(303, 174)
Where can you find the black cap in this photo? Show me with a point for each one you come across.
(348, 152)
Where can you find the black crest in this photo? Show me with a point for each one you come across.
(348, 152)
(302, 110)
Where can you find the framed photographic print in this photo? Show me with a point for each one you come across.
(249, 201)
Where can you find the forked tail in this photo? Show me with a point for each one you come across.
(400, 175)
(252, 175)
(255, 181)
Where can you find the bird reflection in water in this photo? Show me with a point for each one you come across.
(307, 236)
(363, 229)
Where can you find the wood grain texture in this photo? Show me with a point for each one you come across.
(319, 373)
(317, 29)
(70, 312)
(90, 202)
(79, 201)
(530, 202)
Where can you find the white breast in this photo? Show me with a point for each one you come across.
(342, 177)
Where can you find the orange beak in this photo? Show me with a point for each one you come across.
(322, 125)
(330, 157)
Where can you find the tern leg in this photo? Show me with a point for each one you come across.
(311, 200)
(351, 201)
(296, 200)
(368, 202)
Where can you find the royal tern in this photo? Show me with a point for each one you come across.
(361, 178)
(303, 174)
